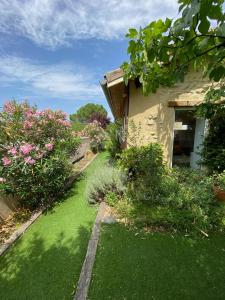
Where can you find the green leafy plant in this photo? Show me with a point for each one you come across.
(163, 52)
(112, 198)
(102, 182)
(219, 180)
(186, 205)
(144, 167)
(213, 109)
(114, 138)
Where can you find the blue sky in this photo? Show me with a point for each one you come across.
(54, 52)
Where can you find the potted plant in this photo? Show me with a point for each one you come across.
(219, 186)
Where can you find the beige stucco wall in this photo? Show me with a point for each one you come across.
(156, 119)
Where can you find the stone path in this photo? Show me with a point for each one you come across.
(105, 215)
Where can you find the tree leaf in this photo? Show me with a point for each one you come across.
(217, 73)
(132, 33)
(204, 25)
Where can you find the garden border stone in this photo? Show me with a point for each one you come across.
(86, 271)
(19, 232)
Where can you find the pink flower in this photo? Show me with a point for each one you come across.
(13, 151)
(38, 113)
(64, 123)
(2, 180)
(26, 148)
(29, 113)
(29, 160)
(6, 161)
(49, 146)
(9, 107)
(27, 124)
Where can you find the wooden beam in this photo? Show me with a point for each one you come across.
(188, 103)
(111, 76)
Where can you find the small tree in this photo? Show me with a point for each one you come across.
(100, 118)
(84, 113)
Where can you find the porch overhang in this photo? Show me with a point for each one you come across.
(115, 91)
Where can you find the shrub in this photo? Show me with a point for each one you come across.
(219, 180)
(213, 109)
(187, 205)
(96, 134)
(213, 153)
(108, 179)
(115, 139)
(35, 152)
(144, 167)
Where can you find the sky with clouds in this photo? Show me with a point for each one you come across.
(54, 52)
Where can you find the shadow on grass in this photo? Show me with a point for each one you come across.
(37, 271)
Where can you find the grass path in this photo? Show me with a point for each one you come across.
(46, 262)
(157, 266)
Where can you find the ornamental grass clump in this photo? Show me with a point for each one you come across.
(102, 182)
(34, 152)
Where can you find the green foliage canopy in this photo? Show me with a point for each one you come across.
(84, 113)
(162, 53)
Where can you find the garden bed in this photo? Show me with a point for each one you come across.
(12, 223)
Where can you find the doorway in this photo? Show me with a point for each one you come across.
(188, 138)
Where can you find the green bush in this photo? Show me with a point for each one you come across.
(144, 168)
(213, 153)
(114, 141)
(108, 179)
(213, 109)
(187, 205)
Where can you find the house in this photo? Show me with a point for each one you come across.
(165, 117)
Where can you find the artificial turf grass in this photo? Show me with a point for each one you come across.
(142, 266)
(46, 262)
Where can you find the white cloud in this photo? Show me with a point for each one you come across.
(62, 80)
(54, 23)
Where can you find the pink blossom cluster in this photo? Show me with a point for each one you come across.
(64, 123)
(29, 153)
(29, 160)
(26, 148)
(49, 146)
(6, 161)
(28, 124)
(9, 107)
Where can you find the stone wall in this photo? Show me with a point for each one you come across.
(156, 119)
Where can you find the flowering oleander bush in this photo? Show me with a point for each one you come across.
(34, 152)
(97, 135)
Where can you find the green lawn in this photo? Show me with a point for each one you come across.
(157, 266)
(46, 262)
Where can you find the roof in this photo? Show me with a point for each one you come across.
(115, 91)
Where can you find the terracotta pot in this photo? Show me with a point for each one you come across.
(220, 194)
